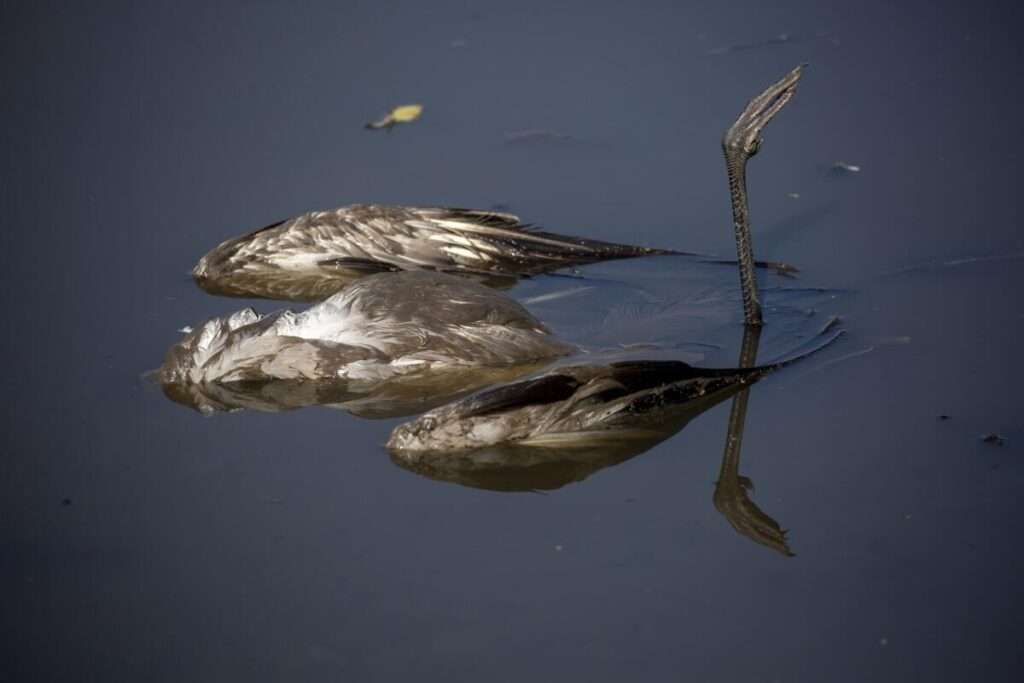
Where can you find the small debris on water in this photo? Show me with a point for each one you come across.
(186, 330)
(943, 418)
(883, 642)
(406, 113)
(793, 195)
(993, 439)
(843, 167)
(558, 548)
(65, 502)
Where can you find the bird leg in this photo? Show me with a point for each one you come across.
(740, 142)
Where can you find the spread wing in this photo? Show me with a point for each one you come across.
(294, 259)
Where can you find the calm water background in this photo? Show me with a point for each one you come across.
(288, 547)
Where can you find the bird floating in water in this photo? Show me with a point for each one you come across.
(399, 324)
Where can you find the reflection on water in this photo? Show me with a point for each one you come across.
(289, 547)
(398, 396)
(731, 490)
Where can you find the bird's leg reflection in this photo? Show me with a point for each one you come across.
(731, 489)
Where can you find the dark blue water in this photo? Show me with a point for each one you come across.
(141, 541)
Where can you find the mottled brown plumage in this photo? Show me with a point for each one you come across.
(383, 326)
(314, 255)
(575, 406)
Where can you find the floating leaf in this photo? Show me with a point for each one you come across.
(404, 114)
(407, 113)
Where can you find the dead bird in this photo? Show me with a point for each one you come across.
(401, 323)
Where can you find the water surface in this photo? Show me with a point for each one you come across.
(142, 541)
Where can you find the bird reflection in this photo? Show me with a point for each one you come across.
(395, 397)
(731, 490)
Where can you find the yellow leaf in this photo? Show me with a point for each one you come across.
(406, 113)
(403, 114)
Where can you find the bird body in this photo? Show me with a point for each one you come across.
(315, 255)
(383, 326)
